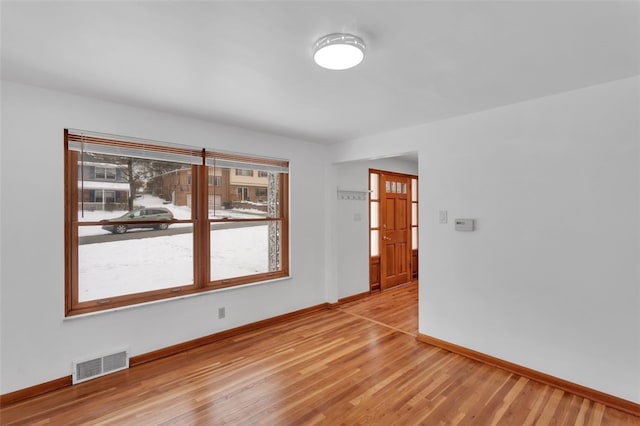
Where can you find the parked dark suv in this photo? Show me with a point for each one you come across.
(150, 214)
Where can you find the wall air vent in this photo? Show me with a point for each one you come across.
(88, 369)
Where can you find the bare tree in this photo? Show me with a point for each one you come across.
(137, 172)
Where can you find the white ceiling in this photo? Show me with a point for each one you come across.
(249, 63)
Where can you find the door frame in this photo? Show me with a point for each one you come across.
(376, 232)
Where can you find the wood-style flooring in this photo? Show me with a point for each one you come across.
(359, 364)
(396, 308)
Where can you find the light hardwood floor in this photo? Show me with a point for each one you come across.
(357, 364)
(396, 308)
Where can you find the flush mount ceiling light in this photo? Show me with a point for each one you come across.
(338, 51)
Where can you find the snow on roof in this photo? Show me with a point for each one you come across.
(114, 186)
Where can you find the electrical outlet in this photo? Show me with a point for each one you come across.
(222, 312)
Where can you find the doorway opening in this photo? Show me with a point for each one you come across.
(393, 229)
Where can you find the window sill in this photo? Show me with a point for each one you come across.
(171, 299)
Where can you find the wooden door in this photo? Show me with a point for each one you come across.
(395, 248)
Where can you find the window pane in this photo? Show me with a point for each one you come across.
(110, 173)
(414, 214)
(375, 211)
(243, 193)
(375, 251)
(374, 179)
(109, 266)
(109, 196)
(112, 188)
(393, 187)
(414, 189)
(245, 248)
(244, 172)
(414, 238)
(388, 186)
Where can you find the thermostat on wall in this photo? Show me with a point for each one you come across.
(465, 224)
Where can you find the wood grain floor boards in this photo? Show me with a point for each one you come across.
(397, 307)
(359, 364)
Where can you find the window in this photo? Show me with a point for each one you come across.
(109, 196)
(102, 196)
(243, 193)
(105, 173)
(244, 172)
(175, 243)
(414, 214)
(374, 214)
(263, 174)
(249, 236)
(188, 179)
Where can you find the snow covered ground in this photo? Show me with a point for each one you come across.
(117, 268)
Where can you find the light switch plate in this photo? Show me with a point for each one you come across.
(443, 216)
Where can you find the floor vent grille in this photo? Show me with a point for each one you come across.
(99, 366)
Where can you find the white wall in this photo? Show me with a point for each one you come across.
(38, 345)
(352, 222)
(551, 278)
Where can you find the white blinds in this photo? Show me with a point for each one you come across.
(98, 143)
(252, 165)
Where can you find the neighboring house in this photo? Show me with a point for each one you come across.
(249, 185)
(103, 185)
(174, 185)
(228, 187)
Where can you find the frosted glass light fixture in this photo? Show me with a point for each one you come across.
(338, 51)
